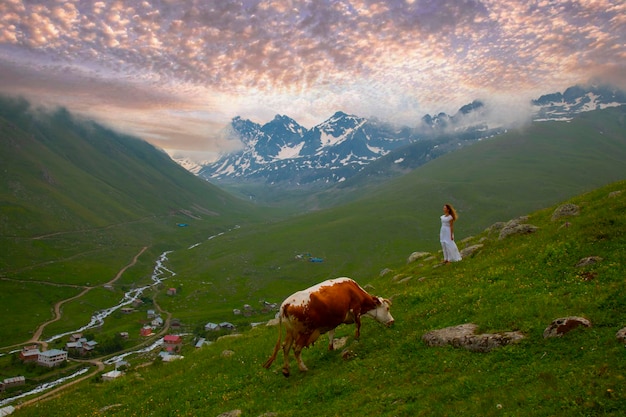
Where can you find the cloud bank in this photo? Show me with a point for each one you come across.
(175, 72)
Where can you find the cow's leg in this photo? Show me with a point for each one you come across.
(286, 348)
(297, 352)
(357, 324)
(331, 338)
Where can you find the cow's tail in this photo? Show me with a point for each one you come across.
(268, 362)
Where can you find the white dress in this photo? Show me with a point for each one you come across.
(450, 251)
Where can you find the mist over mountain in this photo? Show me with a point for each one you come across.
(286, 153)
(283, 151)
(577, 99)
(61, 172)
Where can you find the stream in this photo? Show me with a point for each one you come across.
(159, 274)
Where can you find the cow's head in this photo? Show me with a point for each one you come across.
(381, 312)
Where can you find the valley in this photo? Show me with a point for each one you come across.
(101, 232)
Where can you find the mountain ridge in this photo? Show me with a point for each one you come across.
(341, 146)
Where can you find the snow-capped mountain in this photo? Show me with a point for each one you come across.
(282, 151)
(577, 99)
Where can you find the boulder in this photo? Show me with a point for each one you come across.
(470, 250)
(385, 272)
(233, 413)
(397, 277)
(339, 343)
(227, 353)
(495, 228)
(565, 210)
(416, 255)
(589, 260)
(348, 354)
(516, 229)
(564, 325)
(464, 336)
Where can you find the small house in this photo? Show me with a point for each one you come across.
(201, 342)
(29, 354)
(171, 291)
(168, 357)
(73, 345)
(13, 382)
(151, 314)
(89, 346)
(173, 342)
(76, 337)
(211, 327)
(146, 331)
(111, 375)
(226, 325)
(157, 322)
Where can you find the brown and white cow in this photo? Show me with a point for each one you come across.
(321, 308)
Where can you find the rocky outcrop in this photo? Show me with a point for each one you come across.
(564, 325)
(416, 255)
(464, 336)
(385, 272)
(470, 250)
(232, 413)
(565, 210)
(517, 227)
(590, 260)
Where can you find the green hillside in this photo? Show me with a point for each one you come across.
(63, 174)
(79, 201)
(549, 159)
(80, 205)
(494, 180)
(520, 283)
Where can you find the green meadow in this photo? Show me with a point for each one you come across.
(79, 203)
(522, 283)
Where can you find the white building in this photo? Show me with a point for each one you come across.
(52, 357)
(111, 375)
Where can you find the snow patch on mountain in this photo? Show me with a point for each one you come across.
(282, 151)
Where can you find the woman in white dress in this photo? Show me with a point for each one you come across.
(446, 235)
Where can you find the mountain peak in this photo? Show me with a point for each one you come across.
(341, 146)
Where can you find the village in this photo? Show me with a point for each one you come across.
(79, 347)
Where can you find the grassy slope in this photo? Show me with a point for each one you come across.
(494, 180)
(555, 158)
(257, 262)
(78, 202)
(520, 283)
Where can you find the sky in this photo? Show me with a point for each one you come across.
(176, 72)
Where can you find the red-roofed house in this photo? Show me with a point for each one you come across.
(29, 353)
(173, 343)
